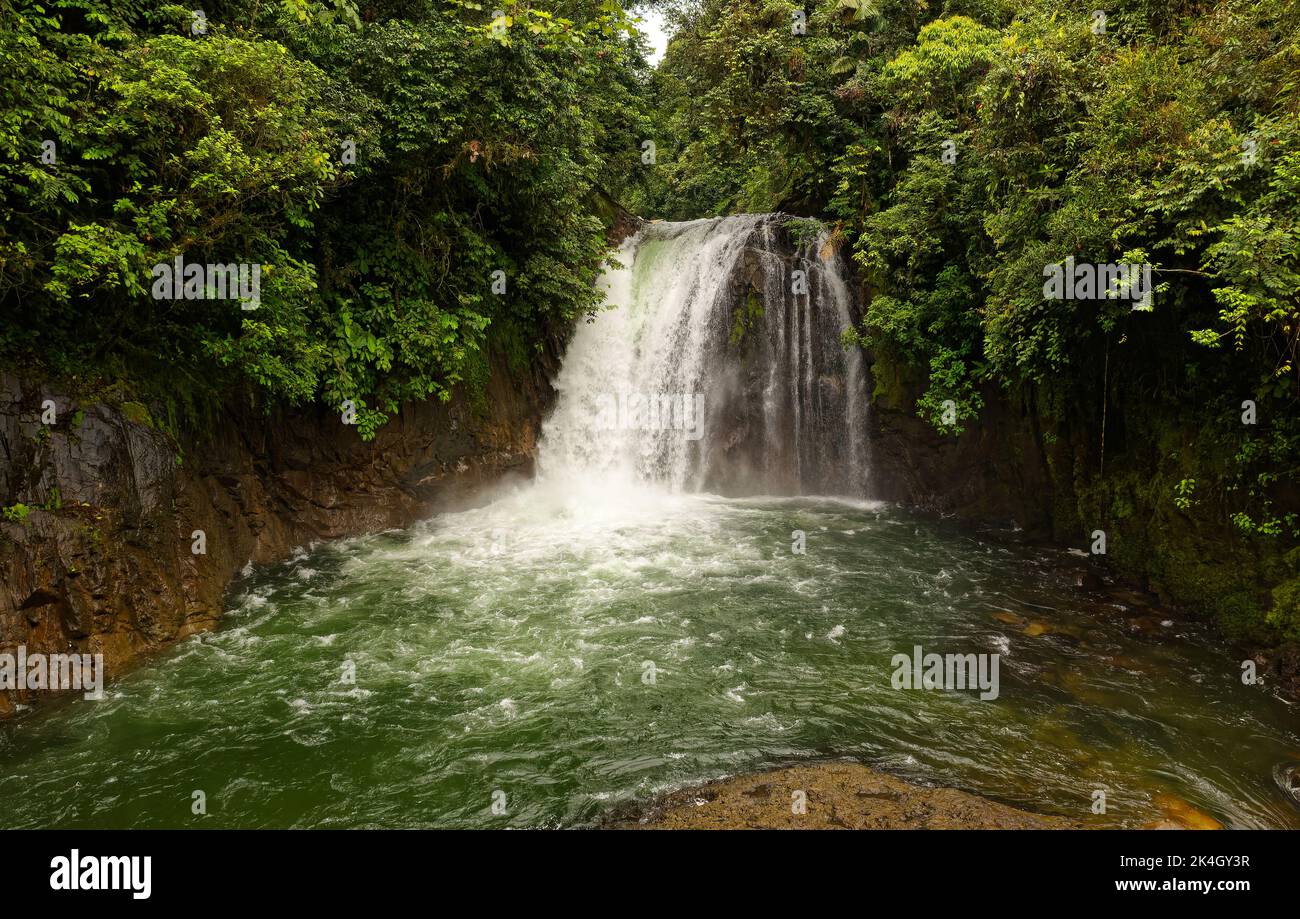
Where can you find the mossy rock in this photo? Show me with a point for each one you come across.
(1284, 615)
(137, 412)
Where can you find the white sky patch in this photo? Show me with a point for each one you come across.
(652, 27)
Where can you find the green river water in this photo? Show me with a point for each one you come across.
(503, 649)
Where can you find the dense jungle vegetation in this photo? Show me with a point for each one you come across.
(953, 148)
(379, 160)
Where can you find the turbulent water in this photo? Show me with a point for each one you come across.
(613, 629)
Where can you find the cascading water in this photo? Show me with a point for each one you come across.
(718, 368)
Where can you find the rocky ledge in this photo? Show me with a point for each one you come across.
(843, 796)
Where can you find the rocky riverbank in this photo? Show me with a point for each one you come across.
(850, 796)
(843, 796)
(99, 541)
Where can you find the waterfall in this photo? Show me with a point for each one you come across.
(716, 366)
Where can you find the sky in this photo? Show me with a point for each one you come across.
(652, 24)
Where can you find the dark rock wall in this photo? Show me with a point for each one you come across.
(102, 561)
(996, 471)
(1017, 467)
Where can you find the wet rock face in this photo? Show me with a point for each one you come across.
(997, 471)
(787, 403)
(98, 558)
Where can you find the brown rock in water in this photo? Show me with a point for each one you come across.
(838, 796)
(1182, 815)
(1061, 630)
(1136, 599)
(1287, 776)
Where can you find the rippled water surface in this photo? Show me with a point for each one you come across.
(504, 648)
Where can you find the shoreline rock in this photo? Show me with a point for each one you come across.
(837, 795)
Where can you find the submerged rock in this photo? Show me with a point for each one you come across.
(1061, 630)
(1178, 814)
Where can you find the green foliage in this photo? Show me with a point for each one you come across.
(804, 232)
(137, 412)
(474, 151)
(746, 117)
(16, 513)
